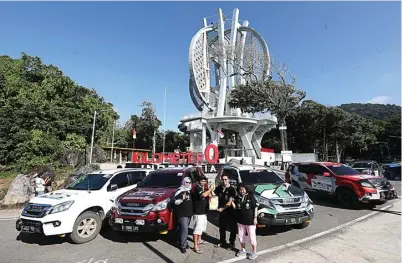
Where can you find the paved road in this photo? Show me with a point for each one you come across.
(111, 248)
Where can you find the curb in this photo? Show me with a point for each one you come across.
(315, 236)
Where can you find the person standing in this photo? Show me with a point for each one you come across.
(246, 215)
(200, 200)
(183, 209)
(226, 194)
(39, 185)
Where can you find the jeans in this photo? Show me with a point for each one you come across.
(227, 218)
(184, 222)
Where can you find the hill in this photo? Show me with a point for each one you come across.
(373, 111)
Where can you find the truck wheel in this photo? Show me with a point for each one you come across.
(348, 198)
(86, 227)
(302, 225)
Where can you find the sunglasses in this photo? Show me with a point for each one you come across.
(188, 182)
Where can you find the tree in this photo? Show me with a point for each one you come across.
(279, 96)
(39, 104)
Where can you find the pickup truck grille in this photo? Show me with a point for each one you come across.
(290, 215)
(35, 210)
(135, 209)
(292, 202)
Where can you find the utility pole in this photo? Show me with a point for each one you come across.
(92, 138)
(111, 151)
(164, 123)
(93, 133)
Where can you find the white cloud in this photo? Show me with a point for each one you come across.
(380, 100)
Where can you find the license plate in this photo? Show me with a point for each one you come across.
(292, 221)
(28, 229)
(130, 228)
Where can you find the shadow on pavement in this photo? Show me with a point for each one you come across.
(124, 237)
(157, 252)
(388, 211)
(40, 240)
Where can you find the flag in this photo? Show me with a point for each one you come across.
(221, 134)
(134, 134)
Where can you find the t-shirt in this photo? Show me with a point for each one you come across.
(39, 184)
(185, 209)
(200, 203)
(245, 206)
(225, 194)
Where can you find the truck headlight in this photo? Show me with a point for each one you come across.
(366, 184)
(61, 207)
(264, 201)
(162, 205)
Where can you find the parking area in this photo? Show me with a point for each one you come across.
(113, 248)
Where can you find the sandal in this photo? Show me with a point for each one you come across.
(202, 242)
(198, 251)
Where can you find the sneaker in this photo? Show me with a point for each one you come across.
(222, 245)
(241, 253)
(183, 250)
(252, 255)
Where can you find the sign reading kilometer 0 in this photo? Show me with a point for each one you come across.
(177, 158)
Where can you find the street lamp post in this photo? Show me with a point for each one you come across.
(93, 133)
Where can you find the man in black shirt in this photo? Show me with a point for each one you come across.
(226, 194)
(200, 200)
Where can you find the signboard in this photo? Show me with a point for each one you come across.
(206, 168)
(286, 156)
(211, 155)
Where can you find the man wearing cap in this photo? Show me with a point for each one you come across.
(200, 201)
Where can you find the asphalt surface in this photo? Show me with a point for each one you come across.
(111, 248)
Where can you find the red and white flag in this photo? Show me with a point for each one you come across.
(221, 134)
(134, 134)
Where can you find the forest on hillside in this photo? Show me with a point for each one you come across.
(44, 116)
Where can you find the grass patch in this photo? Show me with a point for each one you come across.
(8, 174)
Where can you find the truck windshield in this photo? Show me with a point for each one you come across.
(342, 170)
(89, 181)
(259, 177)
(162, 179)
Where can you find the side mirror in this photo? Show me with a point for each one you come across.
(113, 187)
(326, 174)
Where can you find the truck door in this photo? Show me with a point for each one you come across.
(123, 185)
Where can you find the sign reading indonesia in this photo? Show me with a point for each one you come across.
(177, 158)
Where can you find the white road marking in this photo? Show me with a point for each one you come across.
(297, 242)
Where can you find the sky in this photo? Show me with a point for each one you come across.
(340, 52)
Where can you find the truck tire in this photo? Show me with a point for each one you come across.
(86, 227)
(348, 198)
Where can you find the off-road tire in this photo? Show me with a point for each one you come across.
(302, 225)
(75, 238)
(347, 198)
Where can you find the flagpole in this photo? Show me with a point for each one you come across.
(164, 123)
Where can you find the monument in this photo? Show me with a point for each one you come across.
(223, 54)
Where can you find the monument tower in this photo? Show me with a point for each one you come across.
(223, 54)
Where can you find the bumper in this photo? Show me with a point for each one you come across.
(49, 225)
(293, 218)
(379, 197)
(138, 225)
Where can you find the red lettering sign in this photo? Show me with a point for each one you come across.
(177, 158)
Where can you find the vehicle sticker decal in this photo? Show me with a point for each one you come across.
(323, 185)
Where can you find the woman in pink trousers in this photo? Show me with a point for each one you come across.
(246, 216)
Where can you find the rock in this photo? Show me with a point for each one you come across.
(73, 157)
(20, 190)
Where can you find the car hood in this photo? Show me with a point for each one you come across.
(146, 195)
(283, 190)
(59, 196)
(357, 177)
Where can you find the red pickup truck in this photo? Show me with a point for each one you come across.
(147, 207)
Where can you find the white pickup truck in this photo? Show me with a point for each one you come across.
(81, 208)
